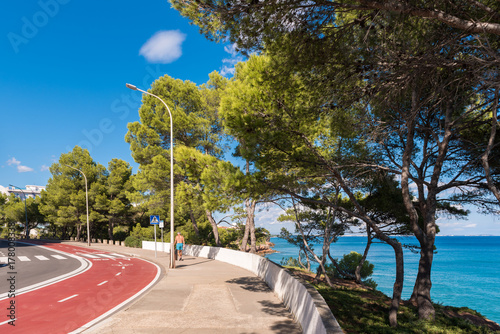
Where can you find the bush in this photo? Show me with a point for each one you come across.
(370, 283)
(228, 237)
(120, 233)
(143, 233)
(290, 262)
(348, 264)
(132, 241)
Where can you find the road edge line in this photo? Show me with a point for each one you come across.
(125, 302)
(84, 266)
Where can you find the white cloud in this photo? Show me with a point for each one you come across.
(44, 168)
(230, 62)
(24, 169)
(13, 161)
(17, 163)
(470, 225)
(163, 47)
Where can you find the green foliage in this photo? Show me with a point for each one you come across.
(132, 241)
(16, 210)
(365, 311)
(348, 264)
(63, 204)
(204, 183)
(290, 262)
(228, 237)
(64, 201)
(370, 282)
(143, 233)
(120, 233)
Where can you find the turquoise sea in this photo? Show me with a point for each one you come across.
(465, 272)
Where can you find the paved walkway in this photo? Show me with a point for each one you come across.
(199, 296)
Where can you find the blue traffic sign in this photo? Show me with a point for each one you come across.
(154, 220)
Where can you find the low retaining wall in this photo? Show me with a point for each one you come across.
(306, 304)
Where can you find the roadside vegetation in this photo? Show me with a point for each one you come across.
(371, 116)
(362, 309)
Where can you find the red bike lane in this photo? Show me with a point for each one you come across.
(69, 305)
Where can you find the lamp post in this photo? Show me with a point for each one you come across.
(25, 210)
(87, 201)
(172, 257)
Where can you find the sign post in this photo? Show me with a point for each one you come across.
(154, 220)
(162, 225)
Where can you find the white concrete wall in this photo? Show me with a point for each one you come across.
(307, 305)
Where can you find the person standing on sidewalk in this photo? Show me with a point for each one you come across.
(179, 245)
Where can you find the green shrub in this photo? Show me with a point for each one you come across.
(132, 241)
(143, 233)
(370, 283)
(290, 262)
(348, 264)
(228, 237)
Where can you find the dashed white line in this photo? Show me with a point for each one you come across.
(59, 257)
(23, 258)
(7, 321)
(42, 258)
(118, 255)
(65, 299)
(108, 256)
(4, 259)
(118, 274)
(92, 256)
(102, 283)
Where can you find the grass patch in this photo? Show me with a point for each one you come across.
(362, 310)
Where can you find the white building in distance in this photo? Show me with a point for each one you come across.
(29, 191)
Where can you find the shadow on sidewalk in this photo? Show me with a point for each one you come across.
(249, 283)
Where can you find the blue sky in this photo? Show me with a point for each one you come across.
(63, 69)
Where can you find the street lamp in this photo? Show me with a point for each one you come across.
(87, 200)
(25, 210)
(172, 257)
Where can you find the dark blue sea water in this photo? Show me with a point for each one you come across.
(465, 272)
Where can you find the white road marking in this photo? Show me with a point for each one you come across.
(59, 257)
(65, 299)
(92, 256)
(118, 274)
(84, 266)
(108, 256)
(23, 258)
(102, 283)
(4, 259)
(42, 258)
(118, 255)
(7, 321)
(117, 307)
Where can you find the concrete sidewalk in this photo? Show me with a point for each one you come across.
(199, 296)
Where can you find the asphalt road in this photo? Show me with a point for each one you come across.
(35, 264)
(108, 283)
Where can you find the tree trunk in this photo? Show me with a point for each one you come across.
(215, 228)
(306, 245)
(195, 226)
(398, 283)
(357, 273)
(491, 143)
(250, 223)
(423, 284)
(250, 206)
(244, 241)
(300, 262)
(308, 267)
(111, 226)
(78, 231)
